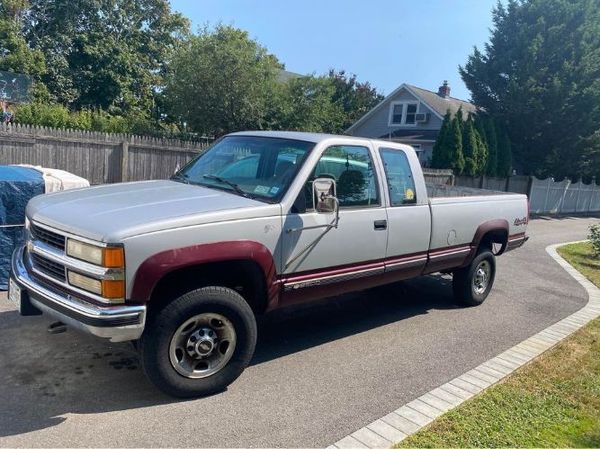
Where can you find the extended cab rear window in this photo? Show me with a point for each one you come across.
(400, 180)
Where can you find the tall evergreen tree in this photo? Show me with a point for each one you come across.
(481, 155)
(455, 148)
(539, 74)
(470, 145)
(504, 167)
(440, 157)
(492, 146)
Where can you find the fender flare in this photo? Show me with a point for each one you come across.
(154, 268)
(499, 224)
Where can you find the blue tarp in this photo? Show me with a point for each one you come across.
(17, 186)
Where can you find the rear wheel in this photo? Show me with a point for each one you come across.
(199, 343)
(472, 284)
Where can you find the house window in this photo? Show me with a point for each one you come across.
(403, 113)
(411, 111)
(397, 111)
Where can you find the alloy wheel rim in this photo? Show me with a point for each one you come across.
(202, 345)
(481, 279)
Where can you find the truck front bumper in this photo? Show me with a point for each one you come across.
(115, 323)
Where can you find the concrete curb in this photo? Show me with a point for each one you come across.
(408, 419)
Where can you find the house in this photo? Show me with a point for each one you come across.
(411, 115)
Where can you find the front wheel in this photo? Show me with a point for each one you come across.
(472, 284)
(200, 343)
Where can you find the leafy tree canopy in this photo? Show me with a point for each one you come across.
(107, 54)
(221, 81)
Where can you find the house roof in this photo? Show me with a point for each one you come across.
(284, 76)
(439, 105)
(412, 134)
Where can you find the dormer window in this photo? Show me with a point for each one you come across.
(403, 113)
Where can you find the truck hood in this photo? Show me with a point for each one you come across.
(111, 213)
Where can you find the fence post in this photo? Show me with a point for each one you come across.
(548, 181)
(529, 187)
(124, 160)
(507, 184)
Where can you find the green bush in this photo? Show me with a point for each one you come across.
(594, 237)
(58, 116)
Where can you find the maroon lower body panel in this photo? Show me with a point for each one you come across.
(516, 241)
(323, 283)
(317, 284)
(448, 258)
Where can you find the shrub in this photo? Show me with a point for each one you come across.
(594, 237)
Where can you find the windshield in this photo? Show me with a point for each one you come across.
(255, 167)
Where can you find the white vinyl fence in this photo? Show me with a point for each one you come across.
(548, 196)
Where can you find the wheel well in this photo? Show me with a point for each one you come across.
(498, 236)
(244, 276)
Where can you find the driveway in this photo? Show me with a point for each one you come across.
(319, 373)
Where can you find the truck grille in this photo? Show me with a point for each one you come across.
(48, 267)
(48, 237)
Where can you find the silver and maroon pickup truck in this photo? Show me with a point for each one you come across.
(259, 221)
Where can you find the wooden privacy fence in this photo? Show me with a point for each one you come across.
(99, 157)
(515, 184)
(107, 158)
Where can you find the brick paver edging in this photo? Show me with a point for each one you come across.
(397, 425)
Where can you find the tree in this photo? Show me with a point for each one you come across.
(440, 157)
(355, 98)
(16, 55)
(455, 149)
(538, 75)
(448, 147)
(221, 81)
(470, 146)
(104, 54)
(504, 165)
(481, 154)
(489, 128)
(307, 104)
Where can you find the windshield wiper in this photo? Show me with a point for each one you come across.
(233, 185)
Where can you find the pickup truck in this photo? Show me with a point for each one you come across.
(259, 221)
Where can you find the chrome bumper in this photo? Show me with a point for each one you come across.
(115, 323)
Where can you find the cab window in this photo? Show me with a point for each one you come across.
(352, 169)
(399, 177)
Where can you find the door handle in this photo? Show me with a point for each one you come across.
(380, 225)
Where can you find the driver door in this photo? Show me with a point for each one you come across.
(322, 262)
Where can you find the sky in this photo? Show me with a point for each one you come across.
(385, 42)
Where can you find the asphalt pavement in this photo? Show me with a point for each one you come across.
(319, 372)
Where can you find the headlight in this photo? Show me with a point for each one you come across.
(109, 257)
(113, 290)
(86, 283)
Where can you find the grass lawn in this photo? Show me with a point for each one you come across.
(554, 401)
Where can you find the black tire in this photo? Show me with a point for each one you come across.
(154, 346)
(463, 285)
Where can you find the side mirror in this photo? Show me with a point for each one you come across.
(324, 194)
(325, 202)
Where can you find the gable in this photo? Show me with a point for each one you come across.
(379, 121)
